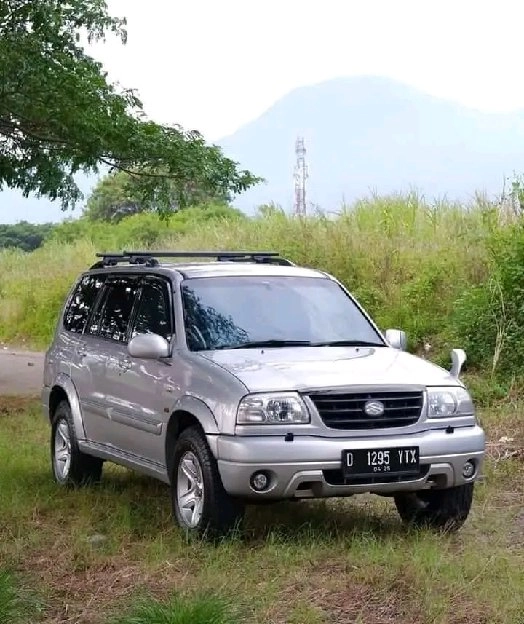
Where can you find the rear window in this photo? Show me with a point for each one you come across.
(81, 303)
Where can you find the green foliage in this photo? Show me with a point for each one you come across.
(118, 195)
(91, 121)
(142, 230)
(490, 313)
(34, 286)
(450, 276)
(15, 607)
(24, 235)
(9, 606)
(112, 200)
(206, 609)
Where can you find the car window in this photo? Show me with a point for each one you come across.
(220, 312)
(81, 303)
(112, 320)
(153, 313)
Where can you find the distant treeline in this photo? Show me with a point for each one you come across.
(24, 235)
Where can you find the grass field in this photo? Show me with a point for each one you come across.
(408, 261)
(451, 276)
(112, 553)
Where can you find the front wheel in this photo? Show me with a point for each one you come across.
(442, 509)
(200, 503)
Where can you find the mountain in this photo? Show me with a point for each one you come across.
(367, 134)
(362, 134)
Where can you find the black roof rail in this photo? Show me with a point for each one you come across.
(112, 259)
(260, 257)
(149, 258)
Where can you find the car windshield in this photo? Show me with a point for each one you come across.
(257, 311)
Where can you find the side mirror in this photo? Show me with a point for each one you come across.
(397, 339)
(148, 347)
(458, 357)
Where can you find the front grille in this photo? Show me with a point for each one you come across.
(346, 411)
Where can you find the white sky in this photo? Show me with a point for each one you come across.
(214, 65)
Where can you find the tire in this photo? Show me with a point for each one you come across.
(71, 467)
(441, 509)
(209, 510)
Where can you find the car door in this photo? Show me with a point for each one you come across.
(107, 333)
(79, 348)
(142, 392)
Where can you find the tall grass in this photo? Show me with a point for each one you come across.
(409, 262)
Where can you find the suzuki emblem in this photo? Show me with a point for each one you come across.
(374, 408)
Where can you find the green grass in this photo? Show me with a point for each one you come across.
(17, 605)
(180, 610)
(407, 260)
(9, 602)
(87, 554)
(306, 562)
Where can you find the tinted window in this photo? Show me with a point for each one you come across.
(153, 314)
(117, 308)
(224, 312)
(82, 302)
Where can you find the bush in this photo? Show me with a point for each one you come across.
(180, 610)
(490, 314)
(436, 271)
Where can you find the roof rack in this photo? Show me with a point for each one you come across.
(149, 258)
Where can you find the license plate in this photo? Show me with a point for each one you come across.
(387, 461)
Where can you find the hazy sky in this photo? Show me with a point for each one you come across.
(214, 65)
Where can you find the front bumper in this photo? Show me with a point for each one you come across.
(294, 474)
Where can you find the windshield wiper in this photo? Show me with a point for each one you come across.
(255, 344)
(347, 343)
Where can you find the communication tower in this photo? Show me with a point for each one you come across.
(301, 175)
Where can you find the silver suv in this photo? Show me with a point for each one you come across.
(241, 378)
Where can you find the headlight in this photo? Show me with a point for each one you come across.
(272, 409)
(447, 402)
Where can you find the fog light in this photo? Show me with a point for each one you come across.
(468, 469)
(259, 481)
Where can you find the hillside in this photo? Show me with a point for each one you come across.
(362, 134)
(367, 133)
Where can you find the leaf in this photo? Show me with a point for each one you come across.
(59, 115)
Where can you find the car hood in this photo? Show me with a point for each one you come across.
(303, 368)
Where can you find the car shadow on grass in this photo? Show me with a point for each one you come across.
(322, 520)
(143, 505)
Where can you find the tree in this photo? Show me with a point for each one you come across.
(113, 198)
(24, 235)
(118, 195)
(59, 115)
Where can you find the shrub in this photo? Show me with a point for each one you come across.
(180, 610)
(490, 314)
(449, 275)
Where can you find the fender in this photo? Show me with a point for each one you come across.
(65, 382)
(200, 411)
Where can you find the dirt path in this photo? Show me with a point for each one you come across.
(20, 372)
